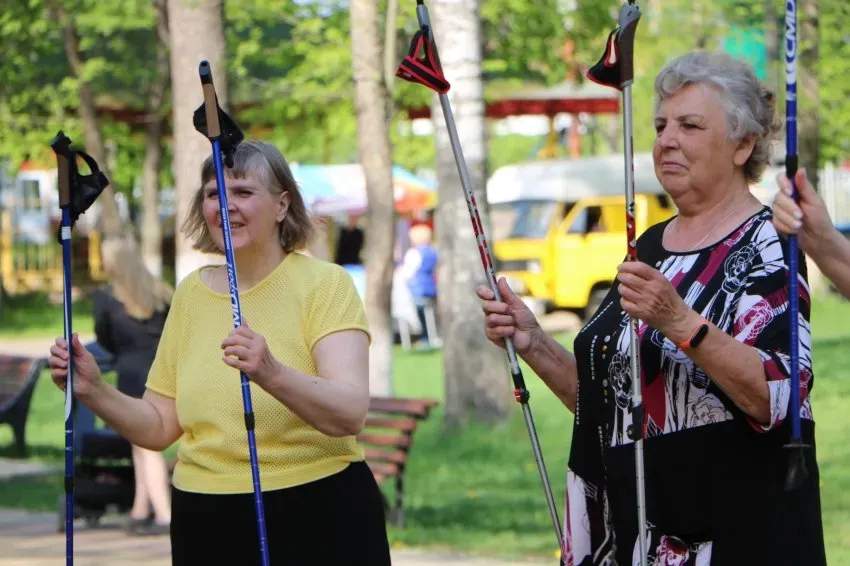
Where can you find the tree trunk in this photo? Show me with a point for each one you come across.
(375, 153)
(201, 37)
(808, 97)
(772, 42)
(151, 231)
(390, 56)
(808, 94)
(112, 225)
(92, 138)
(477, 381)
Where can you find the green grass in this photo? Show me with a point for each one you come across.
(477, 490)
(34, 316)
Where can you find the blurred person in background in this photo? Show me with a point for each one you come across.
(129, 315)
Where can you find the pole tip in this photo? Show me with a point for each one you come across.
(206, 72)
(797, 472)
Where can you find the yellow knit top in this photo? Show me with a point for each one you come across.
(303, 300)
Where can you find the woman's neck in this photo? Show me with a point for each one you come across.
(706, 211)
(252, 266)
(700, 224)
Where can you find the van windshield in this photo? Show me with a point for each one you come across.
(522, 219)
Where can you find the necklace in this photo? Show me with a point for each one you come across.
(713, 228)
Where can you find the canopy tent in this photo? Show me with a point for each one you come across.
(341, 189)
(566, 97)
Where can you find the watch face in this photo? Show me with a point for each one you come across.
(700, 335)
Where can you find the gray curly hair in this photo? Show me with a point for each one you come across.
(750, 106)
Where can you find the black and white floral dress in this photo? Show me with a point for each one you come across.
(714, 478)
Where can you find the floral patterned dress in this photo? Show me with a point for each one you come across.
(714, 478)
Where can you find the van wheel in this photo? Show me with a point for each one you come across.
(594, 302)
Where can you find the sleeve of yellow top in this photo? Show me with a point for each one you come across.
(162, 377)
(334, 305)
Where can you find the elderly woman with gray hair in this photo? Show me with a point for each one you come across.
(710, 291)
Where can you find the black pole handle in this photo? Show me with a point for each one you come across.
(61, 146)
(628, 21)
(210, 100)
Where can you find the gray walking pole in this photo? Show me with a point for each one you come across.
(429, 73)
(616, 69)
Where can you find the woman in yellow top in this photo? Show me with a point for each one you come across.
(304, 347)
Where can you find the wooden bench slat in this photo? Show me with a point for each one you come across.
(385, 468)
(411, 407)
(404, 425)
(384, 440)
(18, 376)
(378, 455)
(11, 363)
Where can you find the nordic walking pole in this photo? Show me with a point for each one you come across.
(797, 472)
(616, 69)
(428, 72)
(213, 123)
(76, 194)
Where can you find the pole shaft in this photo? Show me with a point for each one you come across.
(237, 322)
(634, 326)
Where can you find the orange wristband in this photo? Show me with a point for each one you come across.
(687, 344)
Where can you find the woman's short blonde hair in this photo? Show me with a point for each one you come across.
(141, 293)
(262, 162)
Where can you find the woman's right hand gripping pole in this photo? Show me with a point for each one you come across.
(87, 377)
(508, 318)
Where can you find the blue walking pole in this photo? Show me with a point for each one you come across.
(797, 472)
(76, 194)
(215, 124)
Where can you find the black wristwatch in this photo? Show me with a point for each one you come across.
(697, 337)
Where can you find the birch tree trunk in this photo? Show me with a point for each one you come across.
(375, 153)
(201, 37)
(808, 96)
(92, 138)
(476, 377)
(150, 228)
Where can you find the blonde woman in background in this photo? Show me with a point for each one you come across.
(129, 316)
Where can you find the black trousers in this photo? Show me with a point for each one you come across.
(334, 520)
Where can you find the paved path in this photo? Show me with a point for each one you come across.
(10, 467)
(30, 539)
(35, 347)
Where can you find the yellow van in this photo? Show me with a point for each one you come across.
(559, 226)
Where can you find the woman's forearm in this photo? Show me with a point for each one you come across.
(556, 367)
(733, 366)
(137, 420)
(333, 407)
(833, 258)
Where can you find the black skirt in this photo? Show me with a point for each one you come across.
(334, 520)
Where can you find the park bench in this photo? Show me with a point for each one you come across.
(387, 439)
(18, 376)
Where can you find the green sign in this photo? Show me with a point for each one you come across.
(747, 44)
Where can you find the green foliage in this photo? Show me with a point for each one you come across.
(523, 40)
(34, 94)
(834, 81)
(292, 69)
(289, 65)
(34, 316)
(38, 96)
